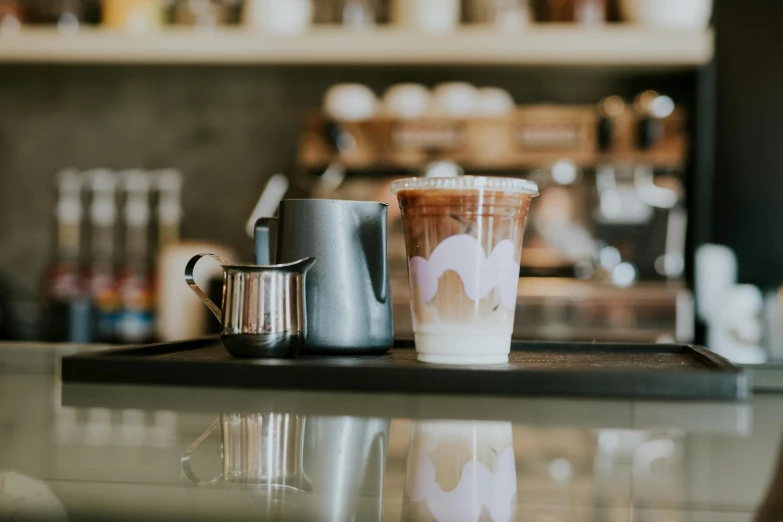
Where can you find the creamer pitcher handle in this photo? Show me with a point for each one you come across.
(193, 286)
(185, 460)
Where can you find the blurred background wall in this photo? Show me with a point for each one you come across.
(227, 128)
(749, 157)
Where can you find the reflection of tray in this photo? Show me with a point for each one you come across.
(535, 369)
(726, 418)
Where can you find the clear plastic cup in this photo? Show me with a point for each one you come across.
(463, 237)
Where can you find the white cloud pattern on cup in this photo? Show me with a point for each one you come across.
(493, 491)
(464, 255)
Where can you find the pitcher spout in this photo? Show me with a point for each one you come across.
(301, 266)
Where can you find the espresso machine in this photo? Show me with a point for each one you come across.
(604, 250)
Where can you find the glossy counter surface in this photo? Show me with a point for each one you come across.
(89, 452)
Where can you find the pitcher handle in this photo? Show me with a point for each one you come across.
(193, 286)
(266, 229)
(185, 460)
(380, 440)
(373, 239)
(384, 271)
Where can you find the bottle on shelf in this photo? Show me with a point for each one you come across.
(134, 282)
(173, 319)
(169, 208)
(68, 305)
(101, 278)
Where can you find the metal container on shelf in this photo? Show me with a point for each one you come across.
(203, 14)
(429, 16)
(134, 16)
(348, 13)
(672, 14)
(504, 14)
(585, 12)
(278, 16)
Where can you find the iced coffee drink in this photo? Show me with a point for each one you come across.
(463, 238)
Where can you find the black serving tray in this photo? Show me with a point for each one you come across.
(631, 371)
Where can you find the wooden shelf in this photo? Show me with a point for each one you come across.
(532, 136)
(617, 45)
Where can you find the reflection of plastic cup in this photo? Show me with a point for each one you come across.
(459, 470)
(464, 241)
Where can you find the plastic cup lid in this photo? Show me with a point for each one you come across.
(513, 185)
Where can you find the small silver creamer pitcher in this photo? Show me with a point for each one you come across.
(263, 308)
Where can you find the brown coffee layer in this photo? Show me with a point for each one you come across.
(431, 216)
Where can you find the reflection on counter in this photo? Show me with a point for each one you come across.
(25, 498)
(296, 467)
(98, 449)
(771, 508)
(291, 458)
(459, 470)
